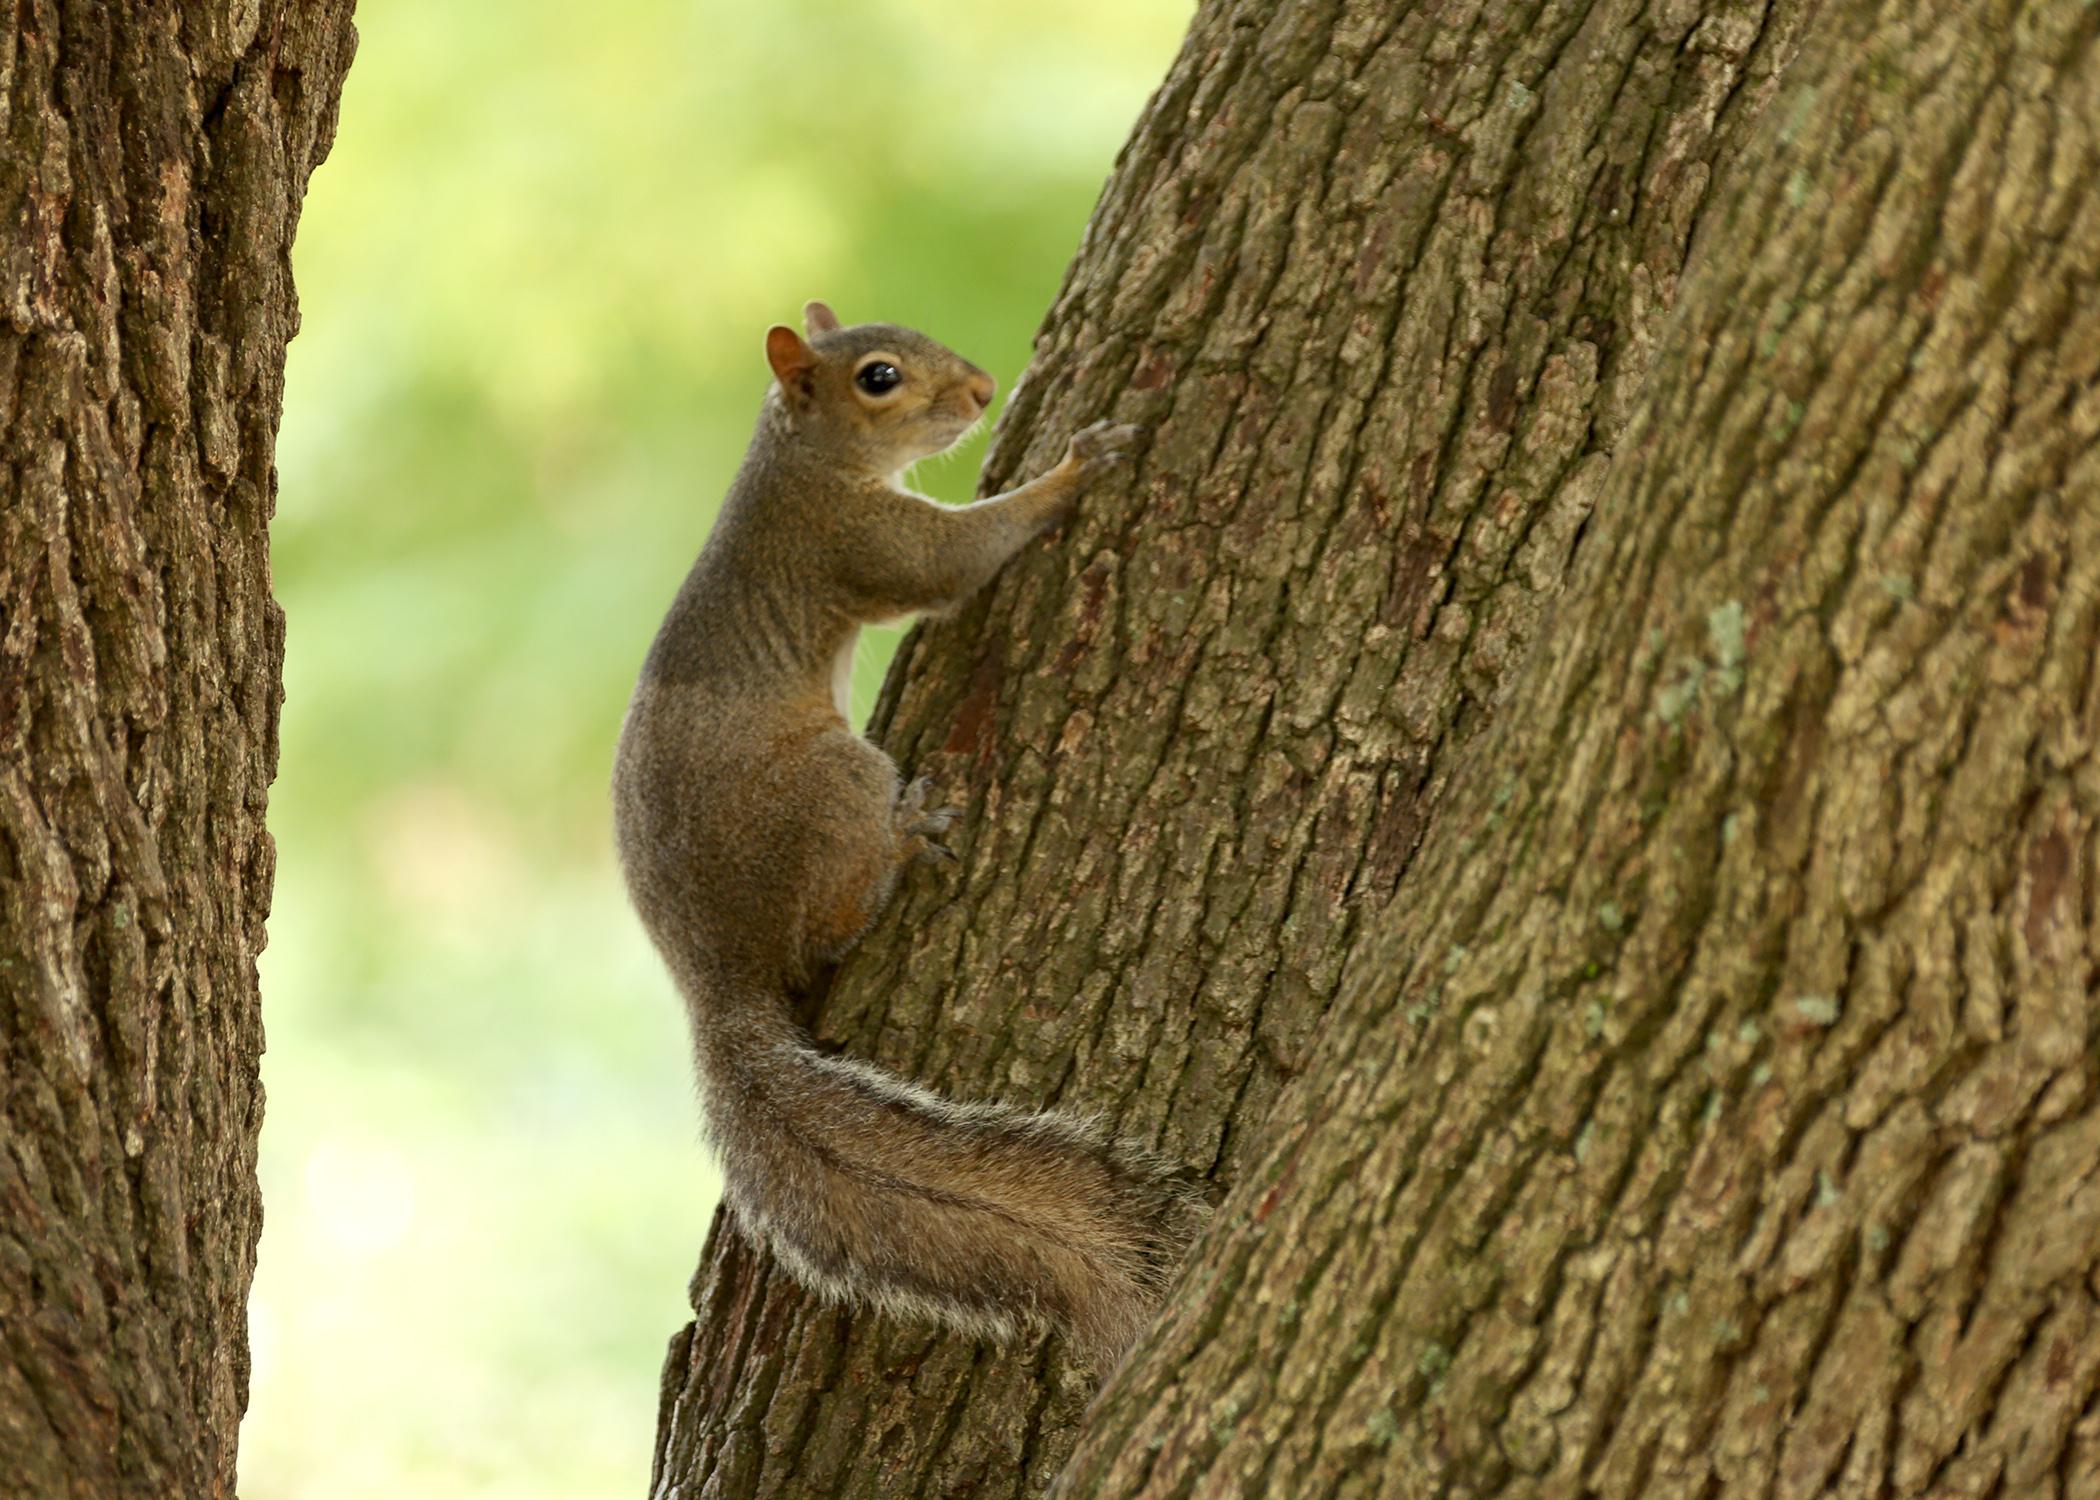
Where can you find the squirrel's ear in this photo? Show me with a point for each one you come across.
(791, 359)
(818, 318)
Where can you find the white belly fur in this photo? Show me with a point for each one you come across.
(842, 680)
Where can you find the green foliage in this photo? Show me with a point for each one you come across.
(535, 274)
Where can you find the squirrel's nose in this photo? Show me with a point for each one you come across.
(982, 386)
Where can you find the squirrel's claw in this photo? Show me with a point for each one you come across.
(940, 820)
(1102, 446)
(929, 852)
(916, 823)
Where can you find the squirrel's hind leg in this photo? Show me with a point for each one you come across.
(873, 829)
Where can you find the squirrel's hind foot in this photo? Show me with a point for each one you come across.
(918, 826)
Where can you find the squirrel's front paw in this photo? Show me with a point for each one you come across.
(917, 825)
(1097, 449)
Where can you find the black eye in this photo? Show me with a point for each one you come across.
(876, 377)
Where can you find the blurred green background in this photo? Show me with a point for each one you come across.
(535, 274)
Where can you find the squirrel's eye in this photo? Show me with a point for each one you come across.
(877, 377)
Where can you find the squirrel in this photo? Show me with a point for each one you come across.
(760, 835)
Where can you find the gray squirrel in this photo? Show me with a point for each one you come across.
(760, 835)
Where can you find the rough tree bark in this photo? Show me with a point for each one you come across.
(1384, 281)
(153, 163)
(1716, 1112)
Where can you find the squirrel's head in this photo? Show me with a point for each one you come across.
(874, 396)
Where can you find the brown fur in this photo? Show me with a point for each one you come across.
(760, 836)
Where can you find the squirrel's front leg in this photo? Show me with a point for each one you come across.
(975, 541)
(1091, 453)
(914, 554)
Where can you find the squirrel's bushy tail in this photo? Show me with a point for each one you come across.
(984, 1218)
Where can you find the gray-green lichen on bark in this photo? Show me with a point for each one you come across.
(152, 160)
(1384, 284)
(1716, 1111)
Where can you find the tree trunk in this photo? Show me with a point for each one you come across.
(1716, 1110)
(1385, 284)
(154, 159)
